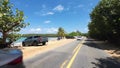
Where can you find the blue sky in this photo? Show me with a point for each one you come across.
(46, 16)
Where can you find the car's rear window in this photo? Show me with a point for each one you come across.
(29, 37)
(36, 36)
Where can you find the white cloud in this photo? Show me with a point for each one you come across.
(44, 13)
(59, 8)
(48, 13)
(42, 30)
(47, 21)
(39, 30)
(51, 30)
(35, 30)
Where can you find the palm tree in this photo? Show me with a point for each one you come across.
(61, 32)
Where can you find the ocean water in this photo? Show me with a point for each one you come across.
(20, 39)
(52, 38)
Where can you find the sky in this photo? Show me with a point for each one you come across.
(46, 16)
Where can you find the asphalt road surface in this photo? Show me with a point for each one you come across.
(77, 54)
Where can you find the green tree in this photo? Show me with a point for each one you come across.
(72, 34)
(61, 32)
(10, 22)
(105, 21)
(77, 33)
(13, 37)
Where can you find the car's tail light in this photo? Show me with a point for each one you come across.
(16, 61)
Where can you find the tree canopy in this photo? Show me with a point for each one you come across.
(105, 21)
(75, 33)
(61, 32)
(10, 21)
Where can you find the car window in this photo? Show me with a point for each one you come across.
(36, 36)
(29, 37)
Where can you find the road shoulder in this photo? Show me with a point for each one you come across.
(111, 49)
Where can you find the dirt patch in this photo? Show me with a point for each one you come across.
(32, 51)
(111, 49)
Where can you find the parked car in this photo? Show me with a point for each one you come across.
(34, 40)
(10, 56)
(79, 38)
(58, 38)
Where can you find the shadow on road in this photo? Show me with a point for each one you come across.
(102, 45)
(20, 65)
(89, 39)
(91, 44)
(106, 63)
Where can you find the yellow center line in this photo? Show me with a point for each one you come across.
(75, 52)
(74, 56)
(63, 64)
(75, 49)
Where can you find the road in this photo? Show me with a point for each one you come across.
(77, 54)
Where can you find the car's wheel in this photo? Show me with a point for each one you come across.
(44, 43)
(23, 44)
(35, 43)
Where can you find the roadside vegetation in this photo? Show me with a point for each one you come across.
(11, 22)
(105, 21)
(47, 35)
(75, 33)
(61, 32)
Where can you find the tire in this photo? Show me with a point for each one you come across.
(23, 44)
(43, 43)
(35, 43)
